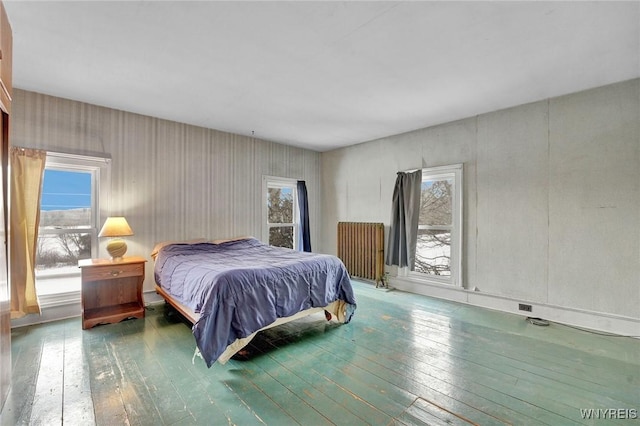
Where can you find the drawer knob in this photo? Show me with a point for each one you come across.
(115, 273)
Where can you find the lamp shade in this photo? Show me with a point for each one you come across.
(116, 226)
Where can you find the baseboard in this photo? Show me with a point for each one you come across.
(61, 306)
(50, 313)
(597, 321)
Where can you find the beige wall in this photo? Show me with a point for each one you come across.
(551, 201)
(171, 181)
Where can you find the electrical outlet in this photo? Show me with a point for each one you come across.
(524, 307)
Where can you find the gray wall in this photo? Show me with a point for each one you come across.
(551, 189)
(551, 196)
(171, 181)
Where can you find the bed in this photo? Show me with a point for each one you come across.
(232, 289)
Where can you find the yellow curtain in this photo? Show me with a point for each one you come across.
(26, 170)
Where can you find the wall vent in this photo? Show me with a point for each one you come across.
(523, 307)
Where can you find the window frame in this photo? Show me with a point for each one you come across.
(100, 170)
(454, 171)
(280, 182)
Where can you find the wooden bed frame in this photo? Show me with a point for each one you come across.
(185, 311)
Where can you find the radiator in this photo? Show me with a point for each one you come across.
(361, 249)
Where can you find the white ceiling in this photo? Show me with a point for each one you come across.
(320, 75)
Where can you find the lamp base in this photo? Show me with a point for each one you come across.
(116, 248)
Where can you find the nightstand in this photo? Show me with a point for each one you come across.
(111, 291)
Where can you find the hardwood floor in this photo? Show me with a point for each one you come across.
(404, 359)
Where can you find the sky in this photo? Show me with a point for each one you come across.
(64, 190)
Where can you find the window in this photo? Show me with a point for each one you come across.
(69, 220)
(281, 212)
(438, 247)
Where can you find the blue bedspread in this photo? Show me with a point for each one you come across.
(239, 287)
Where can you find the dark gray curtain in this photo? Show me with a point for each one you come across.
(405, 211)
(303, 206)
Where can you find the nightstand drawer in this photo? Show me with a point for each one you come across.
(112, 271)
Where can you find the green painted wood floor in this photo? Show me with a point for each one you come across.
(404, 359)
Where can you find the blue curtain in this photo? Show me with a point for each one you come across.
(405, 211)
(303, 206)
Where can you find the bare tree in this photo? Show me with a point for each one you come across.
(433, 251)
(280, 208)
(435, 204)
(75, 246)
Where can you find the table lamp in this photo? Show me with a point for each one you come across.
(116, 227)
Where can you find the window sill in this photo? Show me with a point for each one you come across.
(426, 280)
(429, 279)
(57, 272)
